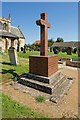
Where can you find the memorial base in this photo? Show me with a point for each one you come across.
(43, 65)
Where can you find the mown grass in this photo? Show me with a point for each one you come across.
(64, 55)
(10, 72)
(61, 54)
(12, 109)
(28, 53)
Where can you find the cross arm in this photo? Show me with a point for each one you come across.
(43, 22)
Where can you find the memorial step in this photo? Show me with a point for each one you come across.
(59, 91)
(50, 80)
(45, 87)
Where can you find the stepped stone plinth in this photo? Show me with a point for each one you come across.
(56, 84)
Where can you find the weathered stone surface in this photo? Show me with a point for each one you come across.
(13, 56)
(56, 85)
(61, 90)
(54, 78)
(44, 25)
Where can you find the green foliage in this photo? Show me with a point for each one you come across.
(33, 47)
(59, 39)
(12, 109)
(36, 47)
(40, 98)
(50, 42)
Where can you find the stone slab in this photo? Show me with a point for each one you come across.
(13, 56)
(49, 80)
(57, 87)
(43, 65)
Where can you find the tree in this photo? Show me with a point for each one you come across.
(59, 39)
(50, 42)
(36, 47)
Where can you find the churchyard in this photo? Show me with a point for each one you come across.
(39, 82)
(66, 108)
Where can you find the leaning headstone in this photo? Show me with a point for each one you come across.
(13, 54)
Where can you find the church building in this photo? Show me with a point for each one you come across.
(8, 32)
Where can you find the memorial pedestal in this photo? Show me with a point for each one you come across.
(43, 65)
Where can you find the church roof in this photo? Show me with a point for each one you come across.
(66, 44)
(8, 35)
(17, 31)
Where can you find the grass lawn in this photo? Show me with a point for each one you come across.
(12, 109)
(64, 55)
(10, 72)
(61, 54)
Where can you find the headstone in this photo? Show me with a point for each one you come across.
(78, 51)
(51, 49)
(75, 50)
(13, 54)
(24, 49)
(55, 51)
(69, 50)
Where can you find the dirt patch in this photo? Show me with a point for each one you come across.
(68, 107)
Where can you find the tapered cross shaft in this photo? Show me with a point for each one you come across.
(44, 25)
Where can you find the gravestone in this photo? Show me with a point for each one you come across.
(13, 54)
(69, 50)
(43, 65)
(56, 51)
(78, 51)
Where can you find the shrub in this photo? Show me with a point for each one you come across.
(40, 98)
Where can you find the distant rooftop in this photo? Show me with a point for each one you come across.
(37, 42)
(66, 44)
(16, 31)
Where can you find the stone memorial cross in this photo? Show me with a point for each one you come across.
(44, 25)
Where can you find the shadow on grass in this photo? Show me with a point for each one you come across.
(11, 71)
(6, 63)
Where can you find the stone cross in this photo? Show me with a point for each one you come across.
(44, 25)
